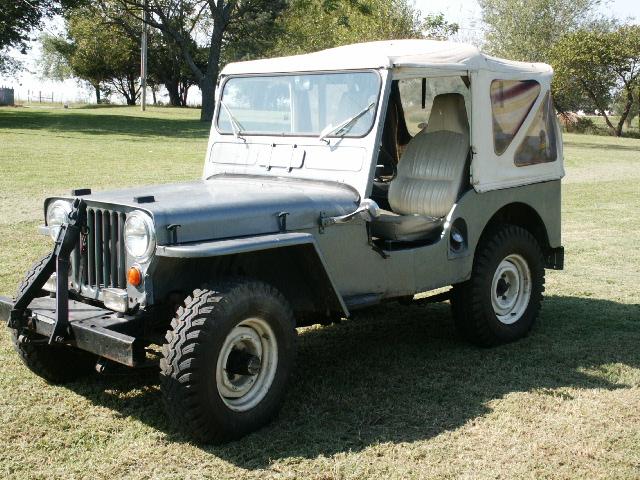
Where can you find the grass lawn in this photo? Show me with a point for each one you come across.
(391, 393)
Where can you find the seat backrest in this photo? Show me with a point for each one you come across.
(431, 170)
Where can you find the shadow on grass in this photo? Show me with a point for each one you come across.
(399, 374)
(605, 146)
(104, 124)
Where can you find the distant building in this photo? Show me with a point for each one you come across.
(6, 96)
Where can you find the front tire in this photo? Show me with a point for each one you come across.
(501, 301)
(55, 363)
(227, 359)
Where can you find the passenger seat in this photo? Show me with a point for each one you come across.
(430, 175)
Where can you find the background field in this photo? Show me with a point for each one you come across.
(391, 393)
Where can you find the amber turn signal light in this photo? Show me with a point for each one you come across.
(134, 276)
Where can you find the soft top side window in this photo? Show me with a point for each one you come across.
(511, 102)
(539, 145)
(417, 94)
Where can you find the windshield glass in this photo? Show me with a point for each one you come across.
(299, 104)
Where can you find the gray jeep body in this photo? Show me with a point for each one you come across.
(269, 223)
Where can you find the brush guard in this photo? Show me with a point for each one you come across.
(63, 321)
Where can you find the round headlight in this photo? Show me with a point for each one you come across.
(57, 214)
(139, 235)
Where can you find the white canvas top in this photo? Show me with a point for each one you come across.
(389, 54)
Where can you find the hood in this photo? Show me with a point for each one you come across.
(232, 206)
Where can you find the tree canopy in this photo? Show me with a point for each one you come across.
(310, 25)
(598, 63)
(18, 19)
(94, 50)
(527, 29)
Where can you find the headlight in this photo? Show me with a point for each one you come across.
(139, 235)
(57, 214)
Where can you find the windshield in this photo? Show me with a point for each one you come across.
(299, 104)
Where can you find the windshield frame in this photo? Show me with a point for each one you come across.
(296, 135)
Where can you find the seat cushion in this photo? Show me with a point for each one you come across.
(407, 228)
(432, 169)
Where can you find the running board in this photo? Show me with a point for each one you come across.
(356, 302)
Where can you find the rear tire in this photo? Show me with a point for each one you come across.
(501, 301)
(227, 359)
(55, 363)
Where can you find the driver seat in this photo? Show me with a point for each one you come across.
(430, 175)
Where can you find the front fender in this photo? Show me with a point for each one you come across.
(303, 252)
(216, 248)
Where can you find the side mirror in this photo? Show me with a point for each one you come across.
(368, 210)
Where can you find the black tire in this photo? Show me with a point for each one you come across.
(190, 359)
(33, 271)
(56, 364)
(471, 301)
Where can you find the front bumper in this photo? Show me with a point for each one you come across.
(93, 329)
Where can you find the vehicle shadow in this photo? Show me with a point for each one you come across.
(87, 123)
(399, 374)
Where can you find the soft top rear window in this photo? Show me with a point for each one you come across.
(511, 102)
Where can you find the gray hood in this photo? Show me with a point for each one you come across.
(233, 206)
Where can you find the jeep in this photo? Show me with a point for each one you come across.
(333, 181)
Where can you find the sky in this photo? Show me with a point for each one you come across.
(466, 13)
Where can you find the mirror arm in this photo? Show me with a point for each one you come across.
(368, 210)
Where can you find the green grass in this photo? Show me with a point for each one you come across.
(391, 393)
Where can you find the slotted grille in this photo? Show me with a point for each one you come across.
(102, 264)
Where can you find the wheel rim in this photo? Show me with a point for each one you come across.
(511, 289)
(247, 364)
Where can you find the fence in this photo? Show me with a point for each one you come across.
(39, 96)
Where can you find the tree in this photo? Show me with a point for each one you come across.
(527, 29)
(18, 19)
(96, 51)
(219, 25)
(167, 67)
(311, 25)
(436, 26)
(600, 63)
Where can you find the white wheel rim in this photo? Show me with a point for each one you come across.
(511, 289)
(243, 392)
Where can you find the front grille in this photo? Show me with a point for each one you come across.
(101, 263)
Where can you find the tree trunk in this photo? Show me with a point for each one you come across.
(132, 90)
(208, 87)
(153, 94)
(625, 113)
(184, 90)
(97, 87)
(127, 97)
(174, 94)
(599, 107)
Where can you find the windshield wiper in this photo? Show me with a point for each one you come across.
(344, 127)
(236, 126)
